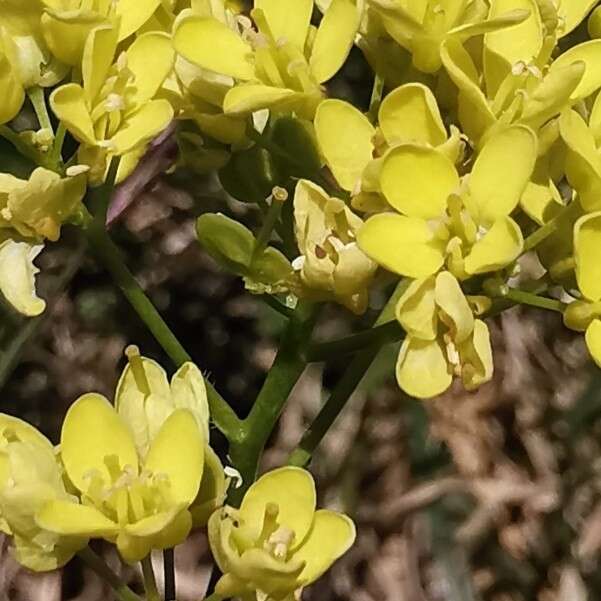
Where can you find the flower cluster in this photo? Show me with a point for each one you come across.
(481, 145)
(141, 474)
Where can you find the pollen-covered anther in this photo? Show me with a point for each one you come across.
(279, 542)
(114, 102)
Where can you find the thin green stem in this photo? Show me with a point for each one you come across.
(150, 583)
(38, 100)
(269, 222)
(378, 335)
(278, 306)
(376, 98)
(263, 141)
(287, 368)
(98, 565)
(24, 148)
(543, 232)
(522, 297)
(169, 574)
(344, 388)
(56, 154)
(110, 256)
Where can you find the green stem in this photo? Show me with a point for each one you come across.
(263, 141)
(98, 565)
(38, 100)
(543, 232)
(24, 148)
(169, 574)
(378, 335)
(376, 98)
(150, 584)
(56, 154)
(345, 387)
(276, 305)
(527, 298)
(269, 221)
(287, 368)
(110, 256)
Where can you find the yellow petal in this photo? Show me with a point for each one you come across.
(248, 98)
(143, 125)
(13, 94)
(98, 55)
(404, 245)
(292, 489)
(410, 114)
(345, 138)
(583, 162)
(334, 38)
(178, 452)
(587, 243)
(593, 340)
(552, 95)
(188, 391)
(69, 105)
(152, 524)
(71, 519)
(464, 74)
(504, 48)
(211, 494)
(594, 121)
(500, 174)
(573, 12)
(451, 299)
(149, 80)
(476, 357)
(212, 45)
(287, 19)
(92, 431)
(66, 32)
(416, 309)
(417, 180)
(499, 247)
(422, 370)
(590, 54)
(17, 277)
(133, 14)
(23, 431)
(330, 537)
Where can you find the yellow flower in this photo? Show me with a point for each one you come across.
(330, 262)
(583, 161)
(276, 543)
(115, 112)
(30, 477)
(422, 26)
(66, 23)
(281, 64)
(22, 41)
(138, 503)
(518, 85)
(32, 211)
(463, 223)
(352, 147)
(585, 315)
(443, 338)
(145, 399)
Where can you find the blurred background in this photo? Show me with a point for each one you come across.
(491, 496)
